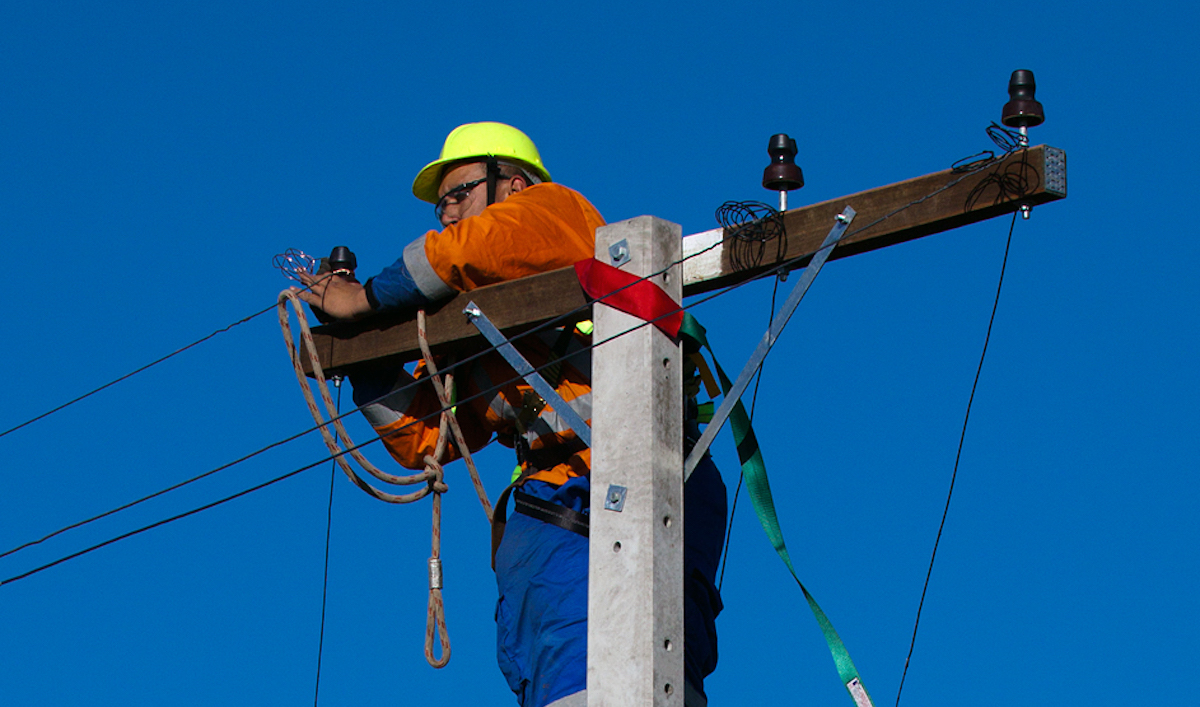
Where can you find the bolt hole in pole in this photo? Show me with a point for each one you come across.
(668, 689)
(617, 546)
(666, 362)
(668, 645)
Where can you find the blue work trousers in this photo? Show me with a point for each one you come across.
(541, 573)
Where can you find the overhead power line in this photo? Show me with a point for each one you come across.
(432, 414)
(954, 475)
(974, 167)
(134, 372)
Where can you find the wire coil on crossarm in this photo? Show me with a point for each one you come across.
(751, 225)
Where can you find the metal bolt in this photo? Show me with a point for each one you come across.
(472, 310)
(842, 218)
(619, 253)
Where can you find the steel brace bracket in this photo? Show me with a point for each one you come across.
(523, 368)
(764, 346)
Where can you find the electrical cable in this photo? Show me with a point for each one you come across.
(135, 372)
(548, 324)
(954, 475)
(156, 494)
(174, 518)
(741, 477)
(432, 414)
(551, 323)
(325, 576)
(1002, 136)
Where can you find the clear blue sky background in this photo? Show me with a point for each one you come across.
(154, 156)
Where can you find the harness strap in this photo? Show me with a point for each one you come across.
(754, 471)
(500, 515)
(550, 512)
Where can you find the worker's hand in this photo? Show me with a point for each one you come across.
(334, 295)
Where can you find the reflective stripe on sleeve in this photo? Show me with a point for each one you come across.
(391, 408)
(549, 422)
(422, 272)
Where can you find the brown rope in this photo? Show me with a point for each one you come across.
(444, 395)
(432, 476)
(432, 483)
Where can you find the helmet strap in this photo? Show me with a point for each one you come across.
(493, 172)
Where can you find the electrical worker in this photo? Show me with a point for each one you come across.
(503, 218)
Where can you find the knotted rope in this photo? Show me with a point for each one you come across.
(431, 477)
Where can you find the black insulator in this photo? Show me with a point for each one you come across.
(341, 258)
(1022, 110)
(782, 174)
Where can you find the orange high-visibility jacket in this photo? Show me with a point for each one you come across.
(541, 228)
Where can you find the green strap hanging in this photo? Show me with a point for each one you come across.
(754, 471)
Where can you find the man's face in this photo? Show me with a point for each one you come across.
(468, 182)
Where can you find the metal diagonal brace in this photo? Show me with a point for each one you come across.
(527, 371)
(768, 340)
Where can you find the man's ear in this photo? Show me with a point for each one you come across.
(517, 184)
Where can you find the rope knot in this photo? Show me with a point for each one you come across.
(436, 473)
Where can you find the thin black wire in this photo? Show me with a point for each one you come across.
(414, 421)
(156, 494)
(179, 516)
(462, 362)
(1001, 136)
(550, 323)
(954, 475)
(135, 372)
(650, 322)
(742, 477)
(325, 579)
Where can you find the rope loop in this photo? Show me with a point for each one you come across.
(338, 441)
(433, 476)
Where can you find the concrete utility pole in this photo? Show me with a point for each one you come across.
(635, 568)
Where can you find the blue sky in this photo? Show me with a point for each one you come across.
(155, 157)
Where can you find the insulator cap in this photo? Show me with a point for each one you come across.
(341, 258)
(782, 174)
(1022, 111)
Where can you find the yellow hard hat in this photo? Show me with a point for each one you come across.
(479, 140)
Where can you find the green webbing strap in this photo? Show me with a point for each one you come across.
(754, 470)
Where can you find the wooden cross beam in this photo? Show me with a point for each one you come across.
(1035, 176)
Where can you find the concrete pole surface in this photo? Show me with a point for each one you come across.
(635, 584)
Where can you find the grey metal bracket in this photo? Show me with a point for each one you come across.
(768, 340)
(1056, 171)
(614, 500)
(618, 253)
(523, 368)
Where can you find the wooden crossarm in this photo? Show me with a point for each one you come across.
(521, 304)
(976, 197)
(512, 306)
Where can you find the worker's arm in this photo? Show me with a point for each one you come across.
(541, 228)
(334, 295)
(404, 410)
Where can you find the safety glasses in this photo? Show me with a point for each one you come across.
(455, 196)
